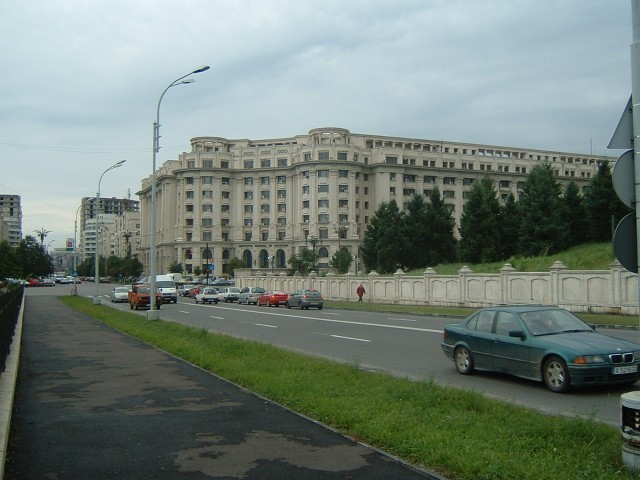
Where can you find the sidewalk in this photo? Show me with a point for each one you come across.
(94, 403)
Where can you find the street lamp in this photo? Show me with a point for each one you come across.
(152, 314)
(96, 298)
(313, 240)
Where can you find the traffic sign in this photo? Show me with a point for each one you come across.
(625, 241)
(623, 177)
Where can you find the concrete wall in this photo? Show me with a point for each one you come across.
(597, 291)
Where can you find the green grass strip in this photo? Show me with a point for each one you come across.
(459, 433)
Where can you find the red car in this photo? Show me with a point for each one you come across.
(273, 298)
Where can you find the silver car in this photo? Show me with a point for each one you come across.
(250, 295)
(120, 294)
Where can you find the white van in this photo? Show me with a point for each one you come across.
(167, 287)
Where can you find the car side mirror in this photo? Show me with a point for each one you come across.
(517, 334)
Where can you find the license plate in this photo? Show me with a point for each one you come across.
(626, 369)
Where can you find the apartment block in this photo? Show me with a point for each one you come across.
(264, 200)
(10, 219)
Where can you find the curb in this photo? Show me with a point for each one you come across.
(8, 388)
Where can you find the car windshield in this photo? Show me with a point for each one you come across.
(122, 290)
(552, 322)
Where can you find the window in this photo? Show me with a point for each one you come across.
(265, 235)
(467, 181)
(224, 208)
(429, 179)
(343, 188)
(282, 194)
(324, 203)
(323, 173)
(206, 180)
(248, 180)
(282, 162)
(281, 235)
(189, 222)
(225, 236)
(191, 164)
(323, 156)
(323, 233)
(305, 218)
(391, 160)
(248, 164)
(323, 217)
(207, 194)
(188, 208)
(305, 204)
(392, 190)
(248, 195)
(224, 164)
(264, 180)
(342, 155)
(305, 189)
(392, 176)
(448, 194)
(265, 163)
(343, 203)
(265, 194)
(206, 236)
(207, 222)
(189, 236)
(323, 188)
(225, 222)
(282, 221)
(248, 222)
(190, 194)
(226, 181)
(207, 207)
(247, 236)
(305, 174)
(281, 179)
(264, 208)
(226, 195)
(264, 222)
(282, 207)
(342, 218)
(207, 163)
(188, 180)
(248, 209)
(409, 192)
(449, 181)
(307, 156)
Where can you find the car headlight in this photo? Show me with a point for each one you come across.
(588, 359)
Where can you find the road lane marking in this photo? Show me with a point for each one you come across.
(183, 311)
(265, 325)
(348, 322)
(217, 318)
(343, 337)
(402, 319)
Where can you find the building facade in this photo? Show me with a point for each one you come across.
(10, 219)
(95, 224)
(263, 200)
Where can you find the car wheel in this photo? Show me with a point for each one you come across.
(300, 307)
(287, 305)
(556, 375)
(130, 305)
(463, 360)
(320, 307)
(268, 303)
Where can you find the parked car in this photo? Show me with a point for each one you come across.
(194, 291)
(48, 282)
(229, 294)
(250, 295)
(304, 299)
(183, 290)
(207, 295)
(543, 343)
(120, 294)
(273, 298)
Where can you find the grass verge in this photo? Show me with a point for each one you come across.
(459, 433)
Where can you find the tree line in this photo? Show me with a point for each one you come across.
(546, 219)
(28, 259)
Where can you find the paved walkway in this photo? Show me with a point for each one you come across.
(94, 403)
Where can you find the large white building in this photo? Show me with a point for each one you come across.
(263, 200)
(10, 219)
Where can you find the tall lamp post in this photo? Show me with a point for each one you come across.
(96, 298)
(153, 314)
(313, 240)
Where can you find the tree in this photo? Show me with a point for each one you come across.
(382, 246)
(480, 224)
(415, 233)
(234, 264)
(197, 270)
(543, 230)
(442, 243)
(575, 215)
(602, 204)
(510, 222)
(303, 261)
(341, 261)
(8, 260)
(33, 259)
(176, 267)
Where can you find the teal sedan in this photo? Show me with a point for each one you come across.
(542, 343)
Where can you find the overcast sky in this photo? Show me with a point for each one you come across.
(81, 80)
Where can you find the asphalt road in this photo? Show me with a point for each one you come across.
(405, 345)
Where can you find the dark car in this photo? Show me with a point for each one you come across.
(304, 299)
(273, 298)
(543, 343)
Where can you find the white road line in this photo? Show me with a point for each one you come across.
(183, 311)
(402, 319)
(265, 325)
(349, 322)
(217, 318)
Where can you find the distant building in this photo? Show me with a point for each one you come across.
(92, 219)
(264, 200)
(10, 219)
